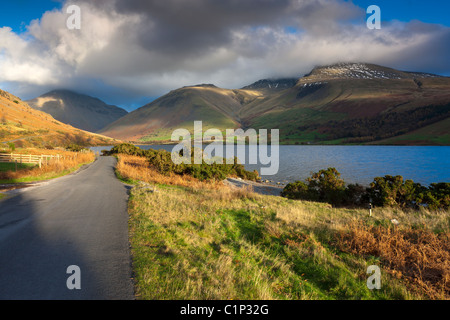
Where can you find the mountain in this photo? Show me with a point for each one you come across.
(355, 103)
(335, 104)
(79, 110)
(216, 107)
(25, 127)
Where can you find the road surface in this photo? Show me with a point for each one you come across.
(77, 220)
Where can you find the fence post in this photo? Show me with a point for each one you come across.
(15, 161)
(40, 163)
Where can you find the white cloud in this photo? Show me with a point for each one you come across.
(147, 49)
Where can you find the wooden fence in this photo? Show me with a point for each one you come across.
(28, 158)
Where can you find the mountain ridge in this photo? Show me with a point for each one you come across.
(79, 110)
(315, 108)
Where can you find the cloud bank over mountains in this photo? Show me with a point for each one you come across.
(130, 48)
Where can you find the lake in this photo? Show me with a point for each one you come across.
(357, 164)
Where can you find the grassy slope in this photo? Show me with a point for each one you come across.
(202, 240)
(198, 240)
(219, 244)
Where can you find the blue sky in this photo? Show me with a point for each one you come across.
(17, 14)
(430, 11)
(135, 51)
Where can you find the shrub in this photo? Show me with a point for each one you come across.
(355, 195)
(161, 160)
(296, 190)
(74, 148)
(327, 186)
(437, 196)
(395, 192)
(324, 186)
(125, 148)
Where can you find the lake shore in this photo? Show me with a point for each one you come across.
(258, 187)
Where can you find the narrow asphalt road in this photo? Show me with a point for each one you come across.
(77, 220)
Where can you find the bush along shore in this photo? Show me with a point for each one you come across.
(391, 191)
(161, 160)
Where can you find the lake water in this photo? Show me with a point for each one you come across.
(357, 164)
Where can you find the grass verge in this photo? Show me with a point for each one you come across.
(12, 166)
(71, 162)
(199, 242)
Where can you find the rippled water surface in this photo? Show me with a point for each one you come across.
(357, 163)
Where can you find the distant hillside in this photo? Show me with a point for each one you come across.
(347, 103)
(354, 103)
(24, 126)
(79, 110)
(216, 107)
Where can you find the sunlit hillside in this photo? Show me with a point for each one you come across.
(24, 126)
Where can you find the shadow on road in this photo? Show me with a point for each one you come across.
(33, 261)
(79, 220)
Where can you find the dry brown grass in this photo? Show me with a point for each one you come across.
(70, 160)
(419, 256)
(138, 169)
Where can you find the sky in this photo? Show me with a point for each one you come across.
(129, 52)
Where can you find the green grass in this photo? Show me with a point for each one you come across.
(2, 196)
(12, 166)
(46, 176)
(206, 244)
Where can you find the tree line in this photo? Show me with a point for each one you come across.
(382, 126)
